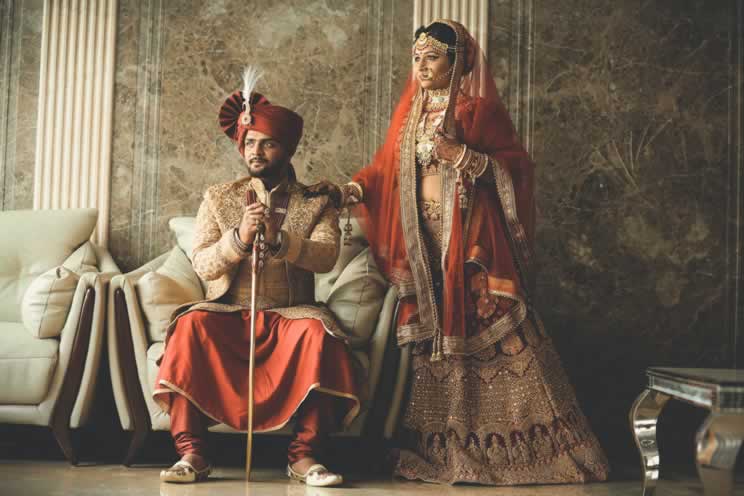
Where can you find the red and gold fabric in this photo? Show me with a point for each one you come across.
(488, 400)
(207, 363)
(301, 352)
(495, 232)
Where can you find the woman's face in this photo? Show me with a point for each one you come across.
(431, 69)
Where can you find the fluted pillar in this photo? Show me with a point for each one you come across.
(73, 145)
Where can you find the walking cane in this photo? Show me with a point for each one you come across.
(250, 199)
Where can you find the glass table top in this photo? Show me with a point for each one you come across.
(723, 377)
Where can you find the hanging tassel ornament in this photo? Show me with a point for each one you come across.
(462, 190)
(348, 228)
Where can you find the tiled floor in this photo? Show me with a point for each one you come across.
(31, 478)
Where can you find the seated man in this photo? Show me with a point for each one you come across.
(302, 363)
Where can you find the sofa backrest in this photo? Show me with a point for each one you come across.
(32, 242)
(349, 249)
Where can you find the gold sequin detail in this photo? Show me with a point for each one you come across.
(497, 418)
(431, 222)
(425, 131)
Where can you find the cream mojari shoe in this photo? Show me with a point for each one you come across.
(183, 472)
(317, 475)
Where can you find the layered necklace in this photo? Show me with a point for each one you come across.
(435, 103)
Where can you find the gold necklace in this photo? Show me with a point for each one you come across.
(436, 100)
(425, 145)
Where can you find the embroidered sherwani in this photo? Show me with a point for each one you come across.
(299, 347)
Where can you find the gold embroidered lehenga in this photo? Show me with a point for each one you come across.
(489, 401)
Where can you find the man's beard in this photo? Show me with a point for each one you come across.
(270, 170)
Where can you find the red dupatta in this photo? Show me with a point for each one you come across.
(495, 234)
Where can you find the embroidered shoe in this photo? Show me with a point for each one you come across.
(183, 472)
(317, 475)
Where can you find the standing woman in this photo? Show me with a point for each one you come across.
(447, 205)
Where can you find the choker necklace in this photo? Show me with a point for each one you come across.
(436, 99)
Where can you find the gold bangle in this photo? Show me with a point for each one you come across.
(461, 160)
(239, 242)
(479, 164)
(348, 191)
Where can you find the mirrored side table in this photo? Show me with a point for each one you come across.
(719, 438)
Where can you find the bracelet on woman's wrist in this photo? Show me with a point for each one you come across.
(457, 164)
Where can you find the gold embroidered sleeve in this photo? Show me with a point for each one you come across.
(487, 176)
(215, 252)
(317, 253)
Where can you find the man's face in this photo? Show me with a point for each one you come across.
(431, 69)
(263, 155)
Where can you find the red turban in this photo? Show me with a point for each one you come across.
(280, 123)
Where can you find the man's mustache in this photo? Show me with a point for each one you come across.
(257, 160)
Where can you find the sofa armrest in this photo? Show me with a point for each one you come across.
(99, 283)
(73, 385)
(379, 339)
(376, 351)
(87, 386)
(127, 346)
(121, 351)
(399, 388)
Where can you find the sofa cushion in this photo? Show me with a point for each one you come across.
(356, 298)
(183, 228)
(82, 260)
(32, 242)
(47, 301)
(153, 353)
(162, 291)
(26, 365)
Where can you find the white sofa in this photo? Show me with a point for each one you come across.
(140, 303)
(52, 311)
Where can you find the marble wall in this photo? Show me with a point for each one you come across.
(638, 178)
(335, 62)
(20, 49)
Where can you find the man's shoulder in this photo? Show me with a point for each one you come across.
(297, 186)
(308, 201)
(220, 190)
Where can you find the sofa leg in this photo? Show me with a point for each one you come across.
(135, 445)
(63, 435)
